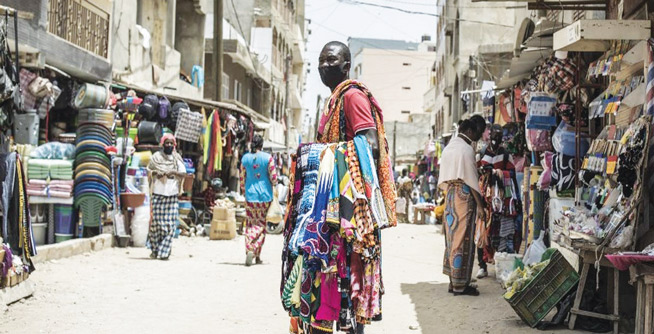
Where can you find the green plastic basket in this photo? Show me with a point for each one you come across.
(546, 290)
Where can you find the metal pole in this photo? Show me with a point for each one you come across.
(287, 110)
(217, 55)
(578, 131)
(318, 115)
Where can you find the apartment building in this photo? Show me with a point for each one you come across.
(397, 72)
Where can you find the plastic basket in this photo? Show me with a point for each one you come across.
(546, 290)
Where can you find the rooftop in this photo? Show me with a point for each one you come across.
(356, 44)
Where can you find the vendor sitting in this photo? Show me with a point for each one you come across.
(212, 193)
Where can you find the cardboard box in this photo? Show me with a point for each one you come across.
(224, 213)
(222, 229)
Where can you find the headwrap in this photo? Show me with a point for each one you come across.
(166, 137)
(164, 163)
(331, 129)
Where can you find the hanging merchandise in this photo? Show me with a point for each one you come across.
(174, 114)
(163, 110)
(17, 222)
(564, 140)
(213, 144)
(149, 132)
(189, 126)
(9, 78)
(330, 247)
(149, 107)
(540, 114)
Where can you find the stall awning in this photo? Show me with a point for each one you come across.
(259, 125)
(596, 35)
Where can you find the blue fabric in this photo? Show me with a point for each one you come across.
(258, 188)
(309, 160)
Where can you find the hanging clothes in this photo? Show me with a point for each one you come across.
(213, 145)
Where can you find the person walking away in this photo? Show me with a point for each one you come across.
(167, 171)
(433, 182)
(258, 177)
(459, 181)
(405, 186)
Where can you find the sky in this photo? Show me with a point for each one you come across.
(337, 20)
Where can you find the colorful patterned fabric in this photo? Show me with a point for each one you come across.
(255, 226)
(331, 130)
(165, 210)
(348, 226)
(310, 162)
(373, 193)
(315, 242)
(459, 224)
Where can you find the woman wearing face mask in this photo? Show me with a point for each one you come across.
(167, 170)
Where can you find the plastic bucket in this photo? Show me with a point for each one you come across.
(38, 231)
(91, 96)
(150, 132)
(63, 218)
(62, 237)
(26, 128)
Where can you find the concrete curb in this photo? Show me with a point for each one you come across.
(72, 247)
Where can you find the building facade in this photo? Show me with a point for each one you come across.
(263, 62)
(397, 72)
(460, 31)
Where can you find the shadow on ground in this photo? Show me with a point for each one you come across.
(441, 312)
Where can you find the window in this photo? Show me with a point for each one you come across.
(406, 111)
(237, 90)
(225, 86)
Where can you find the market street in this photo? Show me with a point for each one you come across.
(205, 287)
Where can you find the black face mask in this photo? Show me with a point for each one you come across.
(168, 150)
(331, 76)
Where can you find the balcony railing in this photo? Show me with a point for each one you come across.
(84, 23)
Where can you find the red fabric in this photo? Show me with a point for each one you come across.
(622, 262)
(358, 115)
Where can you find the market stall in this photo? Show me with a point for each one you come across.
(584, 188)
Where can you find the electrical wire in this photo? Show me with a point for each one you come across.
(355, 2)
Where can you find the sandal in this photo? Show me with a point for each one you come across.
(471, 285)
(468, 291)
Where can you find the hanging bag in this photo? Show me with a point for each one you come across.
(275, 212)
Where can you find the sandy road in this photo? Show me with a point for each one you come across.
(205, 287)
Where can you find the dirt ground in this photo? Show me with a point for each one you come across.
(205, 287)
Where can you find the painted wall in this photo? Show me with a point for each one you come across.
(397, 78)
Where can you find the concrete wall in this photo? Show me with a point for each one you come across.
(189, 35)
(154, 67)
(58, 52)
(411, 136)
(397, 78)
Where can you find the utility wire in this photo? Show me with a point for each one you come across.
(355, 2)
